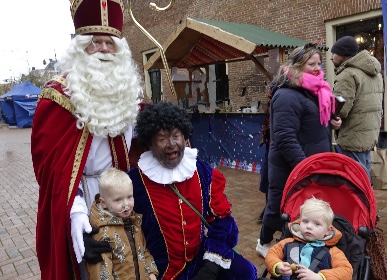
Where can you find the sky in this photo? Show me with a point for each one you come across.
(32, 31)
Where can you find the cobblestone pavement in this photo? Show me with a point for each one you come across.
(19, 196)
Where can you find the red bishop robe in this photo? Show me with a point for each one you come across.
(59, 152)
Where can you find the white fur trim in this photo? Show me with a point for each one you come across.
(226, 264)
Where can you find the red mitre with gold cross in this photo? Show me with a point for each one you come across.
(93, 17)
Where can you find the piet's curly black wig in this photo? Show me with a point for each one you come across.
(163, 115)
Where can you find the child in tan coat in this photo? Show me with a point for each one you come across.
(112, 212)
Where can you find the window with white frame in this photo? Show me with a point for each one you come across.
(367, 29)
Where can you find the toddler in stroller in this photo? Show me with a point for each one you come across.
(344, 184)
(311, 252)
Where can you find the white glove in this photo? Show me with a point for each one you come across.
(79, 224)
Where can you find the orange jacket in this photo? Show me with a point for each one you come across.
(341, 268)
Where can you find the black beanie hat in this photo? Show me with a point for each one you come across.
(345, 46)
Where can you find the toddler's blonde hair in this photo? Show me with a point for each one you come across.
(314, 204)
(112, 178)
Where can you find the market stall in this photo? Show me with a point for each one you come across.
(224, 134)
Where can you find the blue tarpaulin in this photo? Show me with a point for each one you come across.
(18, 105)
(231, 140)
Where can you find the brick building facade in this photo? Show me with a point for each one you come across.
(309, 20)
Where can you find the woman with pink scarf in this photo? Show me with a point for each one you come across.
(300, 125)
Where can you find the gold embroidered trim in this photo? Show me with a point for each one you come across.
(126, 152)
(154, 212)
(61, 80)
(104, 13)
(201, 193)
(77, 161)
(104, 27)
(98, 28)
(114, 152)
(58, 98)
(74, 7)
(115, 160)
(76, 3)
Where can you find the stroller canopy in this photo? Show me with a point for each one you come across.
(334, 178)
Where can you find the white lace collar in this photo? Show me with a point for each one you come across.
(159, 174)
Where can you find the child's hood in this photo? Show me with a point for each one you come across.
(330, 240)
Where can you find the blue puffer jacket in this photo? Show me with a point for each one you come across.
(295, 133)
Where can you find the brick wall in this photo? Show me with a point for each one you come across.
(304, 19)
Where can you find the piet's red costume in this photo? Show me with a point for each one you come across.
(175, 234)
(59, 153)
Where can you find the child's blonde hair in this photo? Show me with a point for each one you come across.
(315, 204)
(112, 178)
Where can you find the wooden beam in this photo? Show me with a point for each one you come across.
(260, 67)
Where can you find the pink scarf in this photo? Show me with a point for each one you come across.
(320, 88)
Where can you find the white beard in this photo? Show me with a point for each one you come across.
(105, 93)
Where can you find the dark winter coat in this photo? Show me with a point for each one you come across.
(295, 133)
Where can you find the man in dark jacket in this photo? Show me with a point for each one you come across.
(359, 81)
